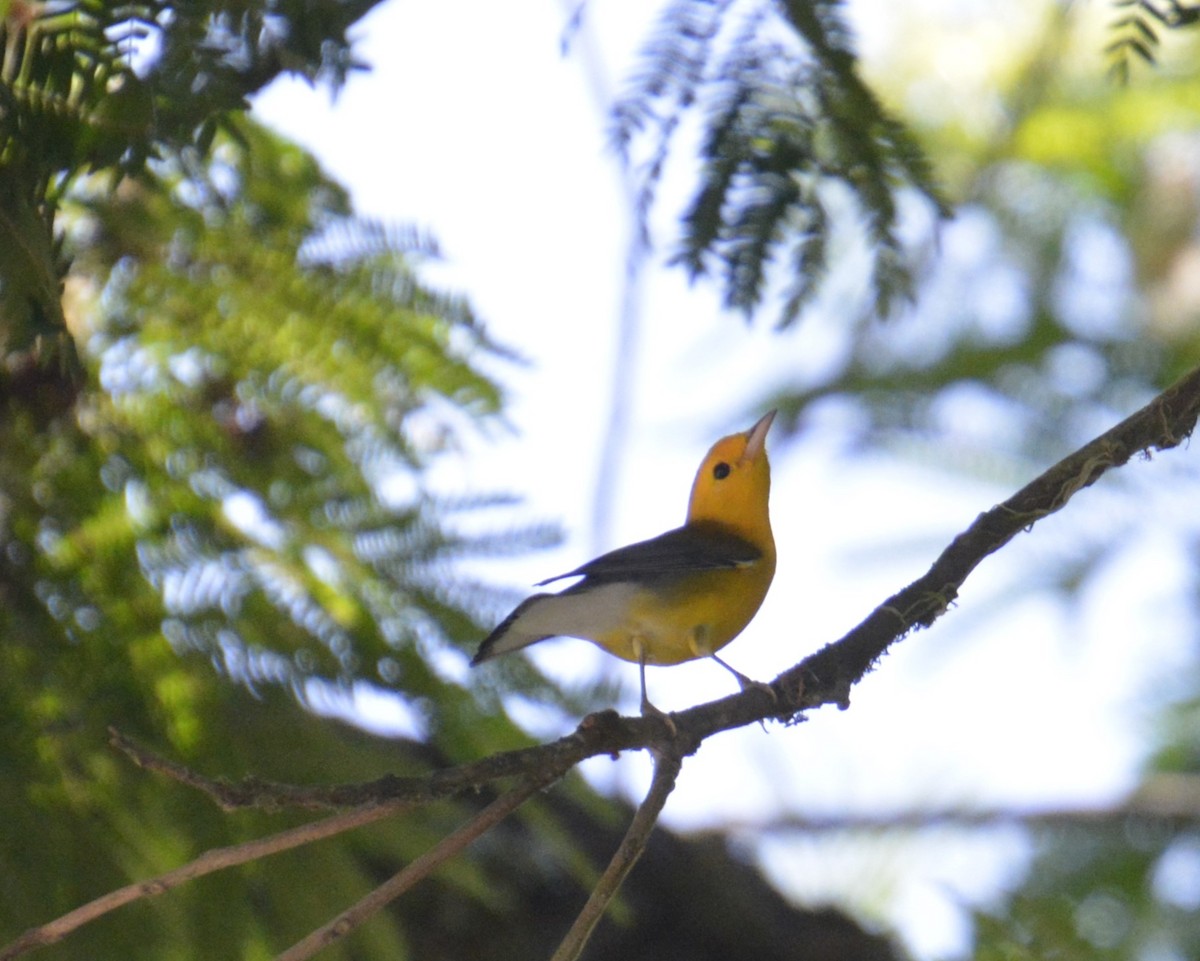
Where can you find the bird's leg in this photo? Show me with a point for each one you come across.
(745, 683)
(648, 709)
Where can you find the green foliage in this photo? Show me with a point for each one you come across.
(1038, 307)
(1123, 891)
(97, 86)
(240, 485)
(790, 132)
(288, 528)
(90, 86)
(1097, 894)
(217, 507)
(1135, 32)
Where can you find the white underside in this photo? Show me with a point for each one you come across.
(590, 615)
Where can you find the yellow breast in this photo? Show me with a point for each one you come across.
(689, 618)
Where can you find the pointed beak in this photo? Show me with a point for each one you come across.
(756, 436)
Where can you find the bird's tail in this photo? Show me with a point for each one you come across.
(509, 636)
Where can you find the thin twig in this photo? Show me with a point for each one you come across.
(666, 770)
(1169, 799)
(216, 859)
(428, 862)
(254, 792)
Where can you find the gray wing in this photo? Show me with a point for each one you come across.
(693, 547)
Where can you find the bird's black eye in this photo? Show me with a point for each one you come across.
(721, 471)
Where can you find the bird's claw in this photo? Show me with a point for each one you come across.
(749, 684)
(649, 710)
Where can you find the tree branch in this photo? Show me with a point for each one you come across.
(1169, 799)
(216, 859)
(828, 675)
(666, 771)
(428, 862)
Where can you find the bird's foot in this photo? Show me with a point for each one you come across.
(649, 710)
(747, 683)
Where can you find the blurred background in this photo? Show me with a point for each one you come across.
(345, 359)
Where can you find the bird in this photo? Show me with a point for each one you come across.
(676, 597)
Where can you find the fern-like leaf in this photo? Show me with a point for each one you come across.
(784, 114)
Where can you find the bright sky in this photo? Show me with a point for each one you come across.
(474, 124)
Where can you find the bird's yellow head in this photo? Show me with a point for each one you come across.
(733, 484)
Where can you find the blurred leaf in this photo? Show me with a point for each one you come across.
(789, 128)
(1135, 32)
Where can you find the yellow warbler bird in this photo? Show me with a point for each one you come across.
(682, 595)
